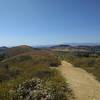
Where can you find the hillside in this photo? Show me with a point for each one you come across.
(8, 52)
(24, 69)
(18, 50)
(25, 56)
(90, 61)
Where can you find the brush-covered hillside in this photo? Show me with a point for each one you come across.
(90, 61)
(26, 74)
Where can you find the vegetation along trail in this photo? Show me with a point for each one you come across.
(83, 84)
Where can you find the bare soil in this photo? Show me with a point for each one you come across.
(83, 84)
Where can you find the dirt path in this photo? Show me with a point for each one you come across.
(83, 84)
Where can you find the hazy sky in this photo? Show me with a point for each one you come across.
(38, 22)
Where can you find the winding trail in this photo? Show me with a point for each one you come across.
(83, 84)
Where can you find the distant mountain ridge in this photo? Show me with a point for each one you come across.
(83, 48)
(17, 50)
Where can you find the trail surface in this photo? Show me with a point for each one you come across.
(83, 84)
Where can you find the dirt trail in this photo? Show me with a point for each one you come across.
(83, 84)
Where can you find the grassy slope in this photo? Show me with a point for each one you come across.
(22, 66)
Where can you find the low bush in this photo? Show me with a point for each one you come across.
(36, 89)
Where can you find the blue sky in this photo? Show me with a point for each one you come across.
(43, 22)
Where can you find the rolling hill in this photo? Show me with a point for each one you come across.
(28, 67)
